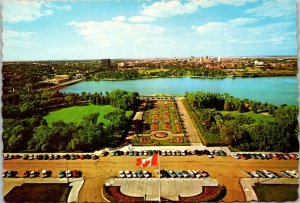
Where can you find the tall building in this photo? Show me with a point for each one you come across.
(105, 63)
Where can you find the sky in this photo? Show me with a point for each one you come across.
(95, 29)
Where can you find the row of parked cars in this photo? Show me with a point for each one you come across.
(261, 174)
(135, 174)
(50, 156)
(169, 152)
(69, 174)
(290, 174)
(266, 156)
(181, 174)
(45, 173)
(26, 174)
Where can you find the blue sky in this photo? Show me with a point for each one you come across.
(55, 30)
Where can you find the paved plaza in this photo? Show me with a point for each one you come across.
(169, 188)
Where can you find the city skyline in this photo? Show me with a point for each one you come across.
(55, 30)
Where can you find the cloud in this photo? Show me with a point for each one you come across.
(176, 7)
(242, 35)
(274, 9)
(119, 18)
(141, 19)
(115, 37)
(23, 11)
(15, 38)
(15, 11)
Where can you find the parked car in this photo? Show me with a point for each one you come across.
(61, 174)
(25, 157)
(122, 174)
(128, 174)
(140, 174)
(191, 174)
(179, 174)
(68, 174)
(185, 174)
(46, 157)
(146, 174)
(73, 157)
(94, 156)
(75, 174)
(172, 174)
(50, 156)
(10, 174)
(32, 174)
(196, 174)
(134, 175)
(25, 174)
(4, 173)
(44, 173)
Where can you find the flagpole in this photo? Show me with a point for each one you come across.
(158, 176)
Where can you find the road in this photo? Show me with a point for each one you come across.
(188, 123)
(226, 170)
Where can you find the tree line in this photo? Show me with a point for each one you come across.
(25, 129)
(277, 132)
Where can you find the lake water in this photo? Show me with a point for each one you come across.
(274, 90)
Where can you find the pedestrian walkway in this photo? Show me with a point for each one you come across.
(188, 123)
(169, 188)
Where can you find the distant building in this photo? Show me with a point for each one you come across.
(58, 79)
(121, 65)
(258, 63)
(105, 63)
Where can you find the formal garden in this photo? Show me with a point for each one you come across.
(160, 124)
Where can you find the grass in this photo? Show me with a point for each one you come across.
(276, 193)
(257, 117)
(76, 113)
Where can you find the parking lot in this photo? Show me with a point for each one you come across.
(227, 170)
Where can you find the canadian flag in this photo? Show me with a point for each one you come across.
(151, 161)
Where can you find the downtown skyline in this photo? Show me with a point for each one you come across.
(67, 30)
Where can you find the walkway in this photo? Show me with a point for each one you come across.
(169, 188)
(188, 123)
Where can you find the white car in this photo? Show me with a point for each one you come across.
(121, 174)
(68, 174)
(128, 174)
(134, 175)
(196, 174)
(146, 174)
(44, 173)
(235, 156)
(256, 175)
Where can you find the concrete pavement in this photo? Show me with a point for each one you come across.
(188, 123)
(169, 188)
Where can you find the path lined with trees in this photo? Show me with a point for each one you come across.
(188, 123)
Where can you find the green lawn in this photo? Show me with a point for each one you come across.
(76, 113)
(257, 117)
(276, 193)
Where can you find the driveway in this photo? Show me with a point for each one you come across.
(188, 123)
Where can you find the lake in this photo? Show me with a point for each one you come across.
(274, 90)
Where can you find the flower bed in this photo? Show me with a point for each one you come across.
(167, 126)
(161, 134)
(154, 126)
(114, 194)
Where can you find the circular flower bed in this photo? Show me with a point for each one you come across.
(161, 134)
